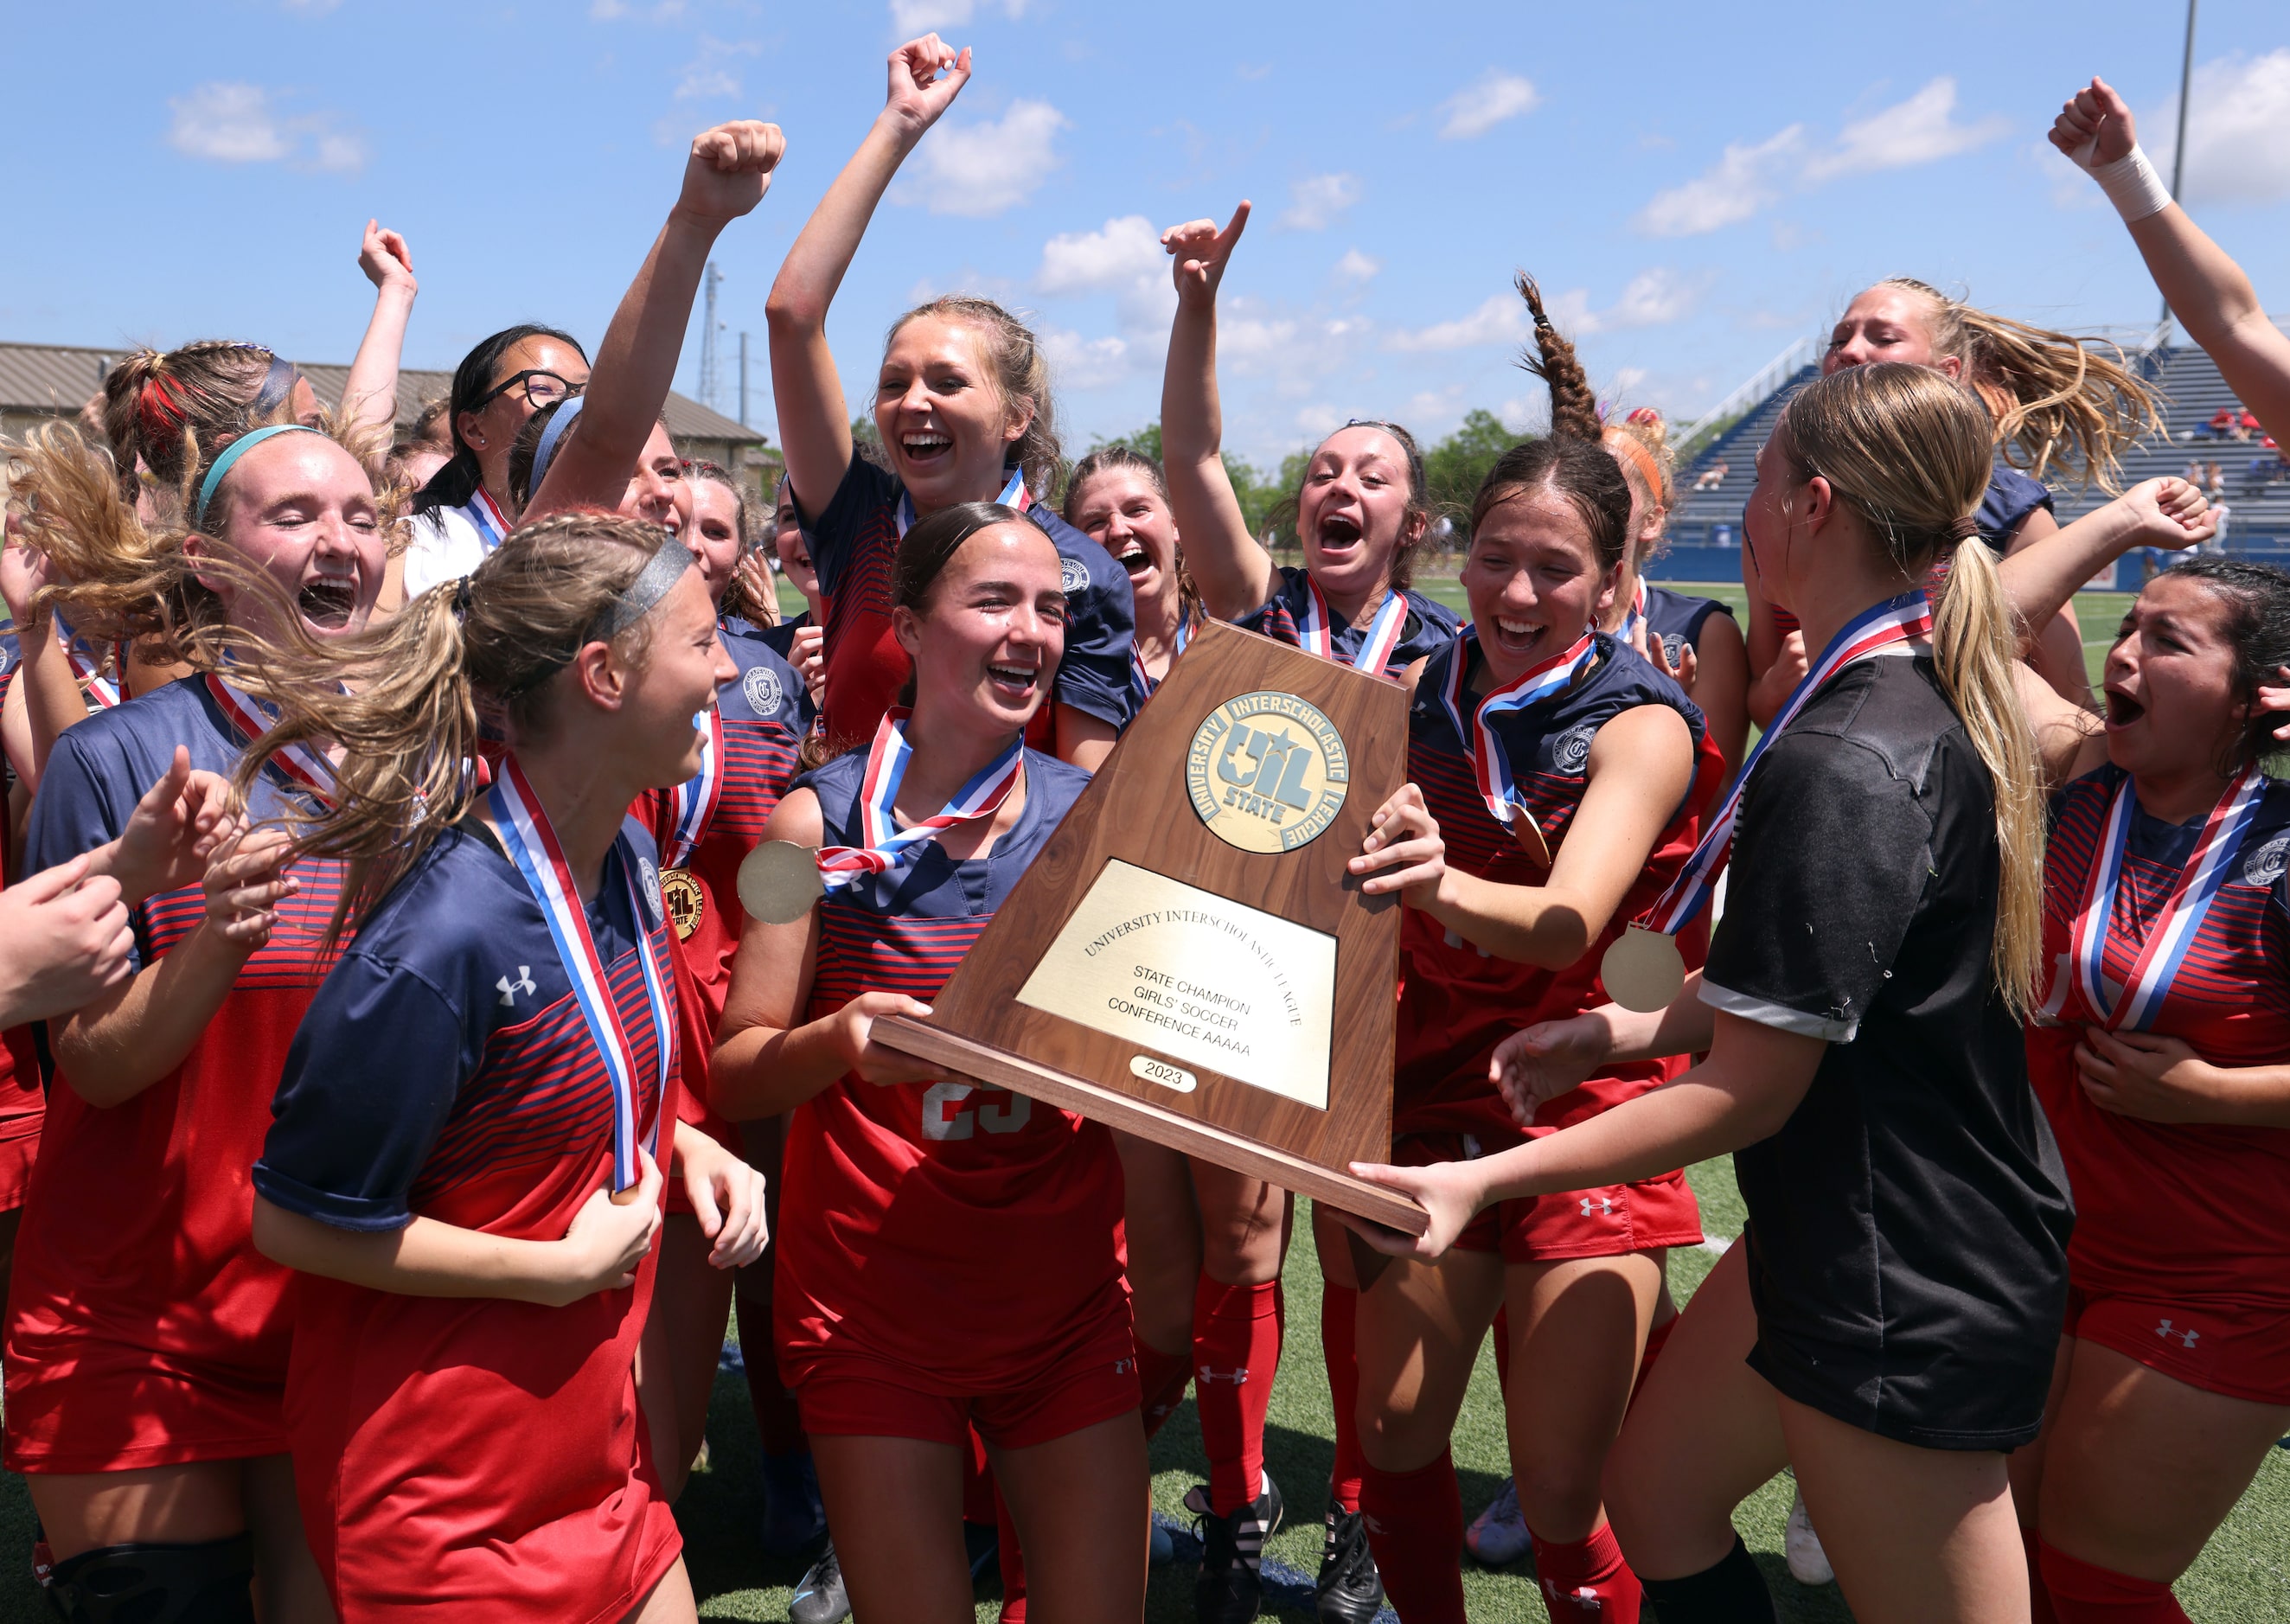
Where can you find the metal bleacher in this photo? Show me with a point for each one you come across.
(1705, 528)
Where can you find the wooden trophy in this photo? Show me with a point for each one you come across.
(1188, 959)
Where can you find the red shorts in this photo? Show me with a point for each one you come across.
(20, 1147)
(850, 1395)
(2226, 1347)
(1611, 1221)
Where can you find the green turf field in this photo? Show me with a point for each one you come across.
(2242, 1578)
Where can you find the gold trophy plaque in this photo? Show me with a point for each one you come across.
(1188, 959)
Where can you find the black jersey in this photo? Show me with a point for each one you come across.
(1908, 1222)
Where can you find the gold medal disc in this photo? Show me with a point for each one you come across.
(779, 880)
(1642, 971)
(680, 895)
(1528, 833)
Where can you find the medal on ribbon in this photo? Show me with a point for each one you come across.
(532, 847)
(1490, 761)
(780, 880)
(2183, 911)
(1642, 970)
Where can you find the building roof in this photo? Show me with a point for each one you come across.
(59, 377)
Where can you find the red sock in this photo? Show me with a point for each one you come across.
(1161, 1381)
(1657, 1339)
(778, 1423)
(1587, 1580)
(2039, 1595)
(1502, 1350)
(1235, 1353)
(1415, 1528)
(1014, 1564)
(2083, 1594)
(1339, 1326)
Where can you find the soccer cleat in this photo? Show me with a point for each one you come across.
(1498, 1535)
(793, 1516)
(1231, 1588)
(820, 1598)
(1808, 1564)
(1350, 1590)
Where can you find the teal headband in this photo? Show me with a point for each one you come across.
(230, 454)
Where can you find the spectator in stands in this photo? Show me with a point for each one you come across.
(1712, 476)
(2214, 480)
(2216, 545)
(2246, 426)
(2221, 426)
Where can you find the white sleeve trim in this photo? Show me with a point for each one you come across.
(1778, 1016)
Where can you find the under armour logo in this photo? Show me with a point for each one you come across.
(1125, 1367)
(2187, 1339)
(1209, 1373)
(1601, 1207)
(522, 984)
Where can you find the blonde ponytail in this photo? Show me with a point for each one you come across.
(1908, 452)
(1975, 639)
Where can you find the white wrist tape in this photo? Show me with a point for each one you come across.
(2130, 184)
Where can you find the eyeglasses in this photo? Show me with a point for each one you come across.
(539, 387)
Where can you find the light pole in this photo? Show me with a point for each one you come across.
(2179, 150)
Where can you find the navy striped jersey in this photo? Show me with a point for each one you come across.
(854, 542)
(1430, 625)
(1457, 1002)
(960, 1233)
(2202, 1208)
(180, 1272)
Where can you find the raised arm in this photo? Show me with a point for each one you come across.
(725, 176)
(815, 421)
(2045, 575)
(1234, 574)
(2206, 289)
(369, 395)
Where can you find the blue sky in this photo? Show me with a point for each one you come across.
(1696, 186)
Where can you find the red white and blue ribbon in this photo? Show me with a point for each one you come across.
(1895, 621)
(1146, 681)
(1636, 618)
(531, 843)
(253, 719)
(887, 846)
(2180, 920)
(1377, 644)
(693, 803)
(1489, 760)
(485, 514)
(1014, 494)
(88, 671)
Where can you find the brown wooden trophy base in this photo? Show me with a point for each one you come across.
(1188, 959)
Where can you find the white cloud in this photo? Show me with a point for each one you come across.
(1652, 298)
(704, 83)
(980, 170)
(238, 124)
(1629, 378)
(913, 17)
(1316, 203)
(1487, 101)
(1921, 130)
(1356, 267)
(1734, 188)
(1115, 257)
(2239, 135)
(1076, 363)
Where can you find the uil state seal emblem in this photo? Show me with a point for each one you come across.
(1267, 771)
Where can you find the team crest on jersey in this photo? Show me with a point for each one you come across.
(650, 875)
(679, 894)
(1673, 645)
(761, 688)
(1571, 749)
(2264, 866)
(1267, 771)
(1073, 574)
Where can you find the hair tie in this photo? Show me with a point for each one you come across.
(156, 404)
(231, 453)
(545, 449)
(463, 592)
(277, 384)
(1964, 529)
